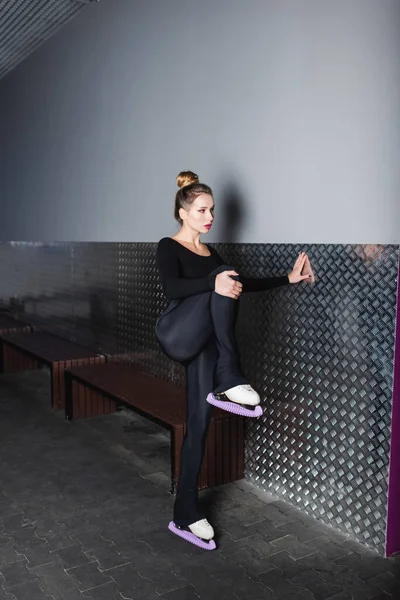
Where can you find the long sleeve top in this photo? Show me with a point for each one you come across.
(184, 273)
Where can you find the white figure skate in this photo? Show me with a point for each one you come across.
(199, 533)
(238, 398)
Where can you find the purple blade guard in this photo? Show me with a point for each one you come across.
(234, 407)
(190, 537)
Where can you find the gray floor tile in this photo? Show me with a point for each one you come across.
(364, 570)
(30, 590)
(245, 515)
(252, 565)
(327, 547)
(5, 596)
(56, 582)
(73, 556)
(258, 546)
(283, 562)
(186, 593)
(299, 531)
(292, 546)
(8, 554)
(282, 587)
(130, 583)
(13, 522)
(357, 589)
(386, 582)
(40, 555)
(88, 576)
(108, 556)
(319, 588)
(108, 591)
(320, 563)
(16, 573)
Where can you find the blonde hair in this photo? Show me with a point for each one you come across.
(186, 178)
(190, 188)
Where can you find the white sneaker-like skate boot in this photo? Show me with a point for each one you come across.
(202, 529)
(243, 394)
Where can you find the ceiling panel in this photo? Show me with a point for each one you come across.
(26, 24)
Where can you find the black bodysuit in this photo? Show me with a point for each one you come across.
(184, 273)
(197, 329)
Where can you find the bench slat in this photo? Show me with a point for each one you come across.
(22, 351)
(8, 323)
(139, 390)
(47, 347)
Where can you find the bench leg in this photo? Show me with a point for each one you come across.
(223, 460)
(15, 361)
(69, 407)
(84, 401)
(55, 386)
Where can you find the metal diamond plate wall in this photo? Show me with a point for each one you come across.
(35, 279)
(140, 302)
(321, 355)
(70, 289)
(94, 282)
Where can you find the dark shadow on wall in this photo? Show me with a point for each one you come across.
(231, 212)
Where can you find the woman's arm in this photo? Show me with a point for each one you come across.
(259, 285)
(253, 284)
(173, 285)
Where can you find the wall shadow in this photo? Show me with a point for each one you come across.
(232, 212)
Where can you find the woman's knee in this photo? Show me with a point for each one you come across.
(223, 268)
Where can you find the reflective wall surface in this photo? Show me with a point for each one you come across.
(321, 355)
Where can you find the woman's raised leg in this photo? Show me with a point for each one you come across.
(186, 325)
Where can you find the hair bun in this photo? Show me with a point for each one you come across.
(186, 178)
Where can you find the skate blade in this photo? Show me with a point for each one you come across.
(190, 537)
(234, 407)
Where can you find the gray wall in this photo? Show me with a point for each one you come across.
(289, 109)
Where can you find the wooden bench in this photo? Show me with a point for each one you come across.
(8, 324)
(97, 390)
(22, 351)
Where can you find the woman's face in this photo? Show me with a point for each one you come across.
(199, 215)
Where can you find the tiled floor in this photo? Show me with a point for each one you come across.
(84, 509)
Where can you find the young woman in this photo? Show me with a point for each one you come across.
(197, 329)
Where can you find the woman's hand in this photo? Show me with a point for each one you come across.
(295, 276)
(226, 286)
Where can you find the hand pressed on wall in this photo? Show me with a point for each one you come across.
(301, 270)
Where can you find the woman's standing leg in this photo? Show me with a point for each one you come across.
(199, 382)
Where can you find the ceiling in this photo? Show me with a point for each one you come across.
(26, 24)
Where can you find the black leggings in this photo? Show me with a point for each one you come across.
(199, 332)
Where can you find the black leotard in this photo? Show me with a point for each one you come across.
(184, 273)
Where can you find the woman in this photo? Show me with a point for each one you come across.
(197, 329)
